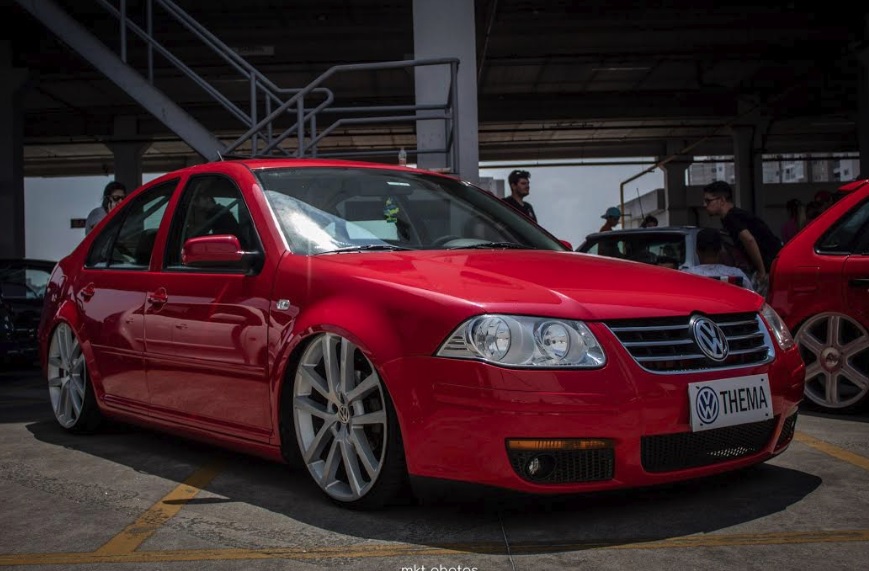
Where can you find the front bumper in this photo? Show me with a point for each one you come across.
(457, 415)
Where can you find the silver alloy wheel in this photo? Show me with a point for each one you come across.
(67, 376)
(339, 413)
(835, 349)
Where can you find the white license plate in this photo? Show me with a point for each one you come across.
(727, 402)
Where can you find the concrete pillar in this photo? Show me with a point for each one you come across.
(863, 111)
(127, 152)
(675, 189)
(446, 29)
(749, 169)
(11, 155)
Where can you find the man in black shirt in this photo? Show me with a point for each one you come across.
(749, 233)
(520, 186)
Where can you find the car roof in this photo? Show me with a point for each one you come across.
(856, 184)
(26, 262)
(655, 230)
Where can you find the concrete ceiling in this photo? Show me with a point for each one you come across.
(556, 78)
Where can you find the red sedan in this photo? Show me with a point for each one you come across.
(383, 325)
(820, 286)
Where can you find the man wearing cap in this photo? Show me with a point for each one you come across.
(612, 216)
(520, 187)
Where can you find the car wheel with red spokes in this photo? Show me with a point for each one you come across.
(835, 349)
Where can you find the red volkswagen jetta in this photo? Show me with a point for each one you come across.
(378, 325)
(820, 286)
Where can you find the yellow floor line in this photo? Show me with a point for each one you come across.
(149, 522)
(404, 550)
(832, 450)
(123, 547)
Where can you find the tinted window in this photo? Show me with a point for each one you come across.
(652, 248)
(23, 283)
(210, 205)
(128, 240)
(843, 236)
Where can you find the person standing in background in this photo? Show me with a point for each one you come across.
(795, 221)
(709, 254)
(611, 217)
(520, 187)
(113, 194)
(749, 233)
(649, 222)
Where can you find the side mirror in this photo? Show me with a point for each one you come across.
(567, 244)
(219, 251)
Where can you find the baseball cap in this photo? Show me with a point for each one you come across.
(612, 212)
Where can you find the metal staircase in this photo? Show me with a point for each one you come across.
(273, 120)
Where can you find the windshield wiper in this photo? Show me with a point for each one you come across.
(365, 248)
(490, 245)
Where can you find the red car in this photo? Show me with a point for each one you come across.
(819, 284)
(383, 325)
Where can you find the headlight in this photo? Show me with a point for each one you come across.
(777, 326)
(521, 341)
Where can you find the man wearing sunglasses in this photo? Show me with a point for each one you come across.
(749, 233)
(113, 194)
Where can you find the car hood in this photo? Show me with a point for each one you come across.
(572, 284)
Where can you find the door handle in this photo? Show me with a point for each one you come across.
(158, 297)
(87, 291)
(859, 282)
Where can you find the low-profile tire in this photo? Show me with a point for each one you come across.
(339, 417)
(69, 386)
(835, 349)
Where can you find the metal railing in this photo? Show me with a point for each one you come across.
(267, 102)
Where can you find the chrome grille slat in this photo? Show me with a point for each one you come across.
(746, 351)
(666, 345)
(744, 337)
(670, 358)
(736, 323)
(664, 328)
(657, 343)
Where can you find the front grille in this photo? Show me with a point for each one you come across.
(669, 452)
(665, 344)
(787, 431)
(568, 467)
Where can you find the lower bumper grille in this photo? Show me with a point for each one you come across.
(565, 467)
(669, 452)
(787, 431)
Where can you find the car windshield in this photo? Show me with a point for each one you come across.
(341, 210)
(651, 248)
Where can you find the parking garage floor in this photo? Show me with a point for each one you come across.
(130, 499)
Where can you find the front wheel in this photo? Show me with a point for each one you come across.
(69, 386)
(345, 425)
(835, 349)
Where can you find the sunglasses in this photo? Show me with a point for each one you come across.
(116, 198)
(709, 201)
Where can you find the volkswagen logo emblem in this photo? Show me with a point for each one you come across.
(709, 338)
(706, 406)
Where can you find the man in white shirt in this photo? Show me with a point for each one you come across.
(708, 250)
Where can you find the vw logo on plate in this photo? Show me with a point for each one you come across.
(709, 337)
(706, 405)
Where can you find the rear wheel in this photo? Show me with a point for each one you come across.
(835, 349)
(345, 425)
(69, 387)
